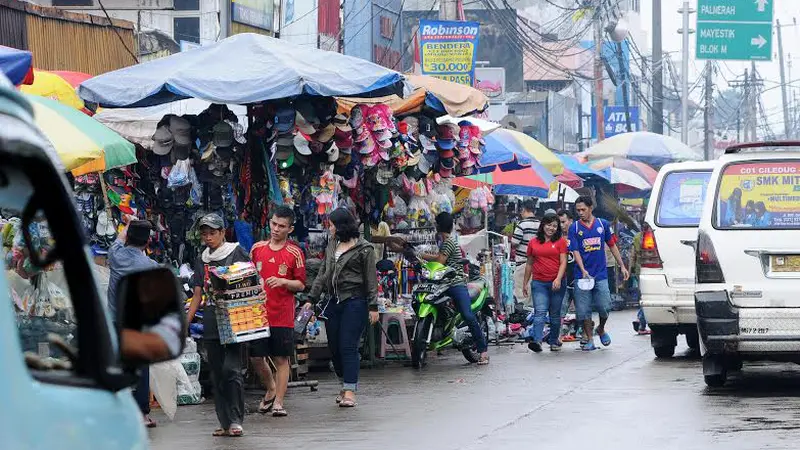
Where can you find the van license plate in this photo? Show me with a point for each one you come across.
(785, 263)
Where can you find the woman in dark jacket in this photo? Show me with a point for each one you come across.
(348, 277)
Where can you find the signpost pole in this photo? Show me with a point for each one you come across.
(623, 74)
(685, 74)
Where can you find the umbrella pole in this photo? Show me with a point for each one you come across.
(106, 202)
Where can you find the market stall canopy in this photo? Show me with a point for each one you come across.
(139, 124)
(60, 86)
(458, 100)
(508, 142)
(650, 148)
(16, 65)
(485, 126)
(83, 144)
(453, 99)
(525, 182)
(242, 69)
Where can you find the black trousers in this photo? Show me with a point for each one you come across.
(225, 365)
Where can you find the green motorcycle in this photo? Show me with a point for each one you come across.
(438, 323)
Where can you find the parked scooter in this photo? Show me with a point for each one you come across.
(438, 323)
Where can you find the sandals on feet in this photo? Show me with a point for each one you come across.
(279, 412)
(484, 360)
(339, 397)
(149, 423)
(266, 405)
(346, 402)
(219, 432)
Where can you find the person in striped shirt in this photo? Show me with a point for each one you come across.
(523, 233)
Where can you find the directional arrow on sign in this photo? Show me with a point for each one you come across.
(759, 41)
(762, 5)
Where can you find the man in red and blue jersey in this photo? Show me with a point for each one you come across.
(587, 240)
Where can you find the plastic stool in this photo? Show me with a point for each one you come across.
(399, 348)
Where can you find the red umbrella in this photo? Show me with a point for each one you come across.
(569, 178)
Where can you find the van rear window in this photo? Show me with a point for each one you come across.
(680, 202)
(764, 195)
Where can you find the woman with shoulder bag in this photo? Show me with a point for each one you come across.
(348, 276)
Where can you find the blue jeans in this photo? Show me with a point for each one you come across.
(598, 298)
(142, 392)
(345, 325)
(547, 301)
(460, 296)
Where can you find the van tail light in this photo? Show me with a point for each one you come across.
(707, 268)
(650, 257)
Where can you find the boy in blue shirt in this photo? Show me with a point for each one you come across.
(587, 240)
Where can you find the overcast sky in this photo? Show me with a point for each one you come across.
(784, 10)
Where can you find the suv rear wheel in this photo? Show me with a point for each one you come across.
(665, 351)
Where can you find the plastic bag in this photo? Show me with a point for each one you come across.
(196, 194)
(179, 175)
(419, 213)
(164, 385)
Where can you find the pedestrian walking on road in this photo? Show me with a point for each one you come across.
(524, 232)
(588, 238)
(127, 256)
(224, 361)
(348, 276)
(282, 267)
(547, 264)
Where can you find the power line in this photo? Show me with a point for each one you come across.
(111, 23)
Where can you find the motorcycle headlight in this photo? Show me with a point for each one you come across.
(426, 274)
(436, 276)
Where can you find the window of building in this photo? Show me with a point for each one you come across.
(187, 5)
(186, 29)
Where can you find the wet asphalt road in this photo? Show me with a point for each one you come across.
(618, 397)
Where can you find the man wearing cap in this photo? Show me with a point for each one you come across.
(127, 256)
(281, 265)
(224, 360)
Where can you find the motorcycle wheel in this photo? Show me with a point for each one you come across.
(419, 344)
(471, 353)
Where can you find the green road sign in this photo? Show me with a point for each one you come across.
(734, 30)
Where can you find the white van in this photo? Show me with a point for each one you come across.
(748, 259)
(666, 280)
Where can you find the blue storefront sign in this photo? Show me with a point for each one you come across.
(614, 120)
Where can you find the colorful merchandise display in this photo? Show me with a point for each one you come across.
(240, 300)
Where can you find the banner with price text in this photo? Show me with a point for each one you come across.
(448, 50)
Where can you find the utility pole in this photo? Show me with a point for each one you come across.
(657, 120)
(685, 32)
(598, 75)
(448, 10)
(623, 75)
(786, 122)
(746, 106)
(754, 93)
(708, 111)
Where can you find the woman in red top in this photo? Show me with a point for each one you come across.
(547, 262)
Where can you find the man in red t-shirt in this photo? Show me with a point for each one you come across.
(282, 267)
